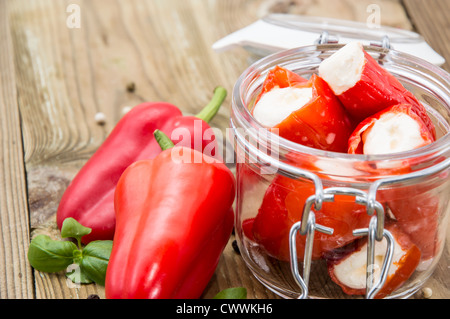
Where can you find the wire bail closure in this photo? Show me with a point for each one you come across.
(311, 227)
(375, 232)
(371, 288)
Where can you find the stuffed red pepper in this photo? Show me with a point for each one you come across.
(364, 87)
(303, 111)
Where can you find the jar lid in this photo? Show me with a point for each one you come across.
(277, 32)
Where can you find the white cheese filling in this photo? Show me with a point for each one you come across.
(352, 271)
(342, 70)
(392, 133)
(277, 104)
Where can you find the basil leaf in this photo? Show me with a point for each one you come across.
(48, 255)
(95, 260)
(77, 275)
(72, 228)
(232, 293)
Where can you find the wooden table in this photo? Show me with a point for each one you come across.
(57, 74)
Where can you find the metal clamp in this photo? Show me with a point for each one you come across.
(361, 198)
(308, 226)
(371, 288)
(311, 227)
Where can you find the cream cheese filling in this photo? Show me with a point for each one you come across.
(343, 69)
(352, 271)
(277, 104)
(392, 133)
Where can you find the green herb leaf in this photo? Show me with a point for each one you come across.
(232, 293)
(48, 255)
(95, 260)
(77, 275)
(72, 228)
(88, 264)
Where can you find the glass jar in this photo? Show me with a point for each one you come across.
(294, 185)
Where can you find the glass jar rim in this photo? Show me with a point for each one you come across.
(440, 146)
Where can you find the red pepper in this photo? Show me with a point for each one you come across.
(279, 77)
(414, 207)
(363, 130)
(247, 228)
(416, 211)
(348, 269)
(393, 139)
(90, 196)
(320, 123)
(282, 206)
(375, 90)
(174, 219)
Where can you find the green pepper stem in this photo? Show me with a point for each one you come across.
(211, 109)
(163, 140)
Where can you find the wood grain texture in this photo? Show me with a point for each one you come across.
(431, 20)
(55, 79)
(16, 280)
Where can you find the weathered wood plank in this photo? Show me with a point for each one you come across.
(55, 130)
(430, 19)
(16, 279)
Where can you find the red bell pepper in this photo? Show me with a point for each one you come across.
(399, 129)
(174, 219)
(282, 207)
(413, 207)
(90, 196)
(280, 77)
(416, 211)
(321, 122)
(369, 88)
(395, 129)
(349, 269)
